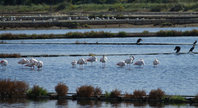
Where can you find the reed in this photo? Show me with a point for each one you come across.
(139, 93)
(156, 94)
(14, 55)
(85, 91)
(61, 89)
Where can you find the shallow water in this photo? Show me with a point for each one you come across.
(45, 103)
(176, 74)
(112, 30)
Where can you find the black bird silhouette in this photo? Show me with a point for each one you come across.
(195, 42)
(138, 41)
(192, 48)
(177, 48)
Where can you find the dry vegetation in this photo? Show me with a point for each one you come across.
(139, 93)
(85, 91)
(14, 55)
(115, 93)
(156, 94)
(13, 87)
(61, 89)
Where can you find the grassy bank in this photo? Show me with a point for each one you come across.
(100, 34)
(118, 7)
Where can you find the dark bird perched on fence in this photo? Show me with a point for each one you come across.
(177, 48)
(192, 48)
(195, 42)
(138, 41)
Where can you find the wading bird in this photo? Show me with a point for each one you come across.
(92, 59)
(121, 63)
(81, 61)
(39, 64)
(156, 62)
(103, 60)
(73, 63)
(129, 60)
(22, 61)
(4, 63)
(139, 62)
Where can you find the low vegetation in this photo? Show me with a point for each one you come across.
(139, 93)
(37, 91)
(61, 89)
(156, 94)
(7, 86)
(14, 55)
(176, 99)
(94, 34)
(85, 91)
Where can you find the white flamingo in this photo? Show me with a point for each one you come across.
(121, 63)
(29, 64)
(33, 61)
(156, 62)
(39, 64)
(139, 62)
(22, 61)
(129, 60)
(81, 61)
(92, 59)
(73, 63)
(103, 60)
(4, 63)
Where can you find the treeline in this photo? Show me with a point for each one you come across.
(77, 2)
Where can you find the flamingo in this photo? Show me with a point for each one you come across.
(81, 61)
(92, 59)
(73, 63)
(139, 62)
(33, 61)
(121, 63)
(4, 63)
(39, 64)
(156, 62)
(103, 60)
(177, 48)
(138, 41)
(22, 61)
(129, 60)
(29, 64)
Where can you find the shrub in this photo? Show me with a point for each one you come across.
(176, 7)
(122, 34)
(115, 93)
(156, 9)
(37, 91)
(145, 32)
(127, 95)
(85, 91)
(13, 87)
(20, 87)
(139, 93)
(97, 91)
(156, 94)
(176, 99)
(61, 89)
(107, 95)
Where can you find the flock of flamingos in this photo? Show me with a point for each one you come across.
(39, 64)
